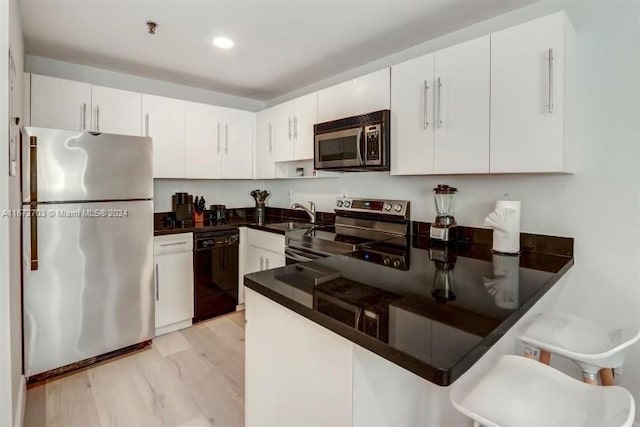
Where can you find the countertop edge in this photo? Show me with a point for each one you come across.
(221, 227)
(437, 376)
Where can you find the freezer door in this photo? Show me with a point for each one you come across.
(80, 166)
(92, 291)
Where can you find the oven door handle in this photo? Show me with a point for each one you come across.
(301, 256)
(359, 148)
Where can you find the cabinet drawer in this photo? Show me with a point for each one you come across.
(265, 240)
(173, 243)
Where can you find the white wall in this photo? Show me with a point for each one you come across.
(11, 380)
(599, 205)
(102, 77)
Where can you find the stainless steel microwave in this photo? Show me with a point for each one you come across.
(358, 143)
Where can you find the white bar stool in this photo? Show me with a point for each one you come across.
(519, 391)
(595, 349)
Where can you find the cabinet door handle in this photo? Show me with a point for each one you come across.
(551, 80)
(295, 127)
(426, 113)
(261, 264)
(173, 244)
(439, 102)
(97, 118)
(289, 128)
(84, 116)
(270, 138)
(157, 284)
(218, 149)
(226, 138)
(267, 263)
(146, 124)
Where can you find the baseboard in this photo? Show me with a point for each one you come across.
(173, 327)
(21, 402)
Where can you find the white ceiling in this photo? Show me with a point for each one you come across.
(280, 46)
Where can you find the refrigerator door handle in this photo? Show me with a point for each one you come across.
(33, 205)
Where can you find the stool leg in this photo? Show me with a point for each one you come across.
(606, 376)
(590, 378)
(545, 357)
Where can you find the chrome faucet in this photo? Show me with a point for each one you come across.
(311, 210)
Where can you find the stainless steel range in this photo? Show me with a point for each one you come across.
(378, 229)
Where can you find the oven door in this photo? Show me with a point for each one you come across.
(338, 150)
(296, 255)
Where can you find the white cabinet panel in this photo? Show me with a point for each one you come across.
(304, 379)
(361, 95)
(203, 141)
(60, 104)
(265, 144)
(412, 135)
(462, 108)
(237, 161)
(305, 116)
(284, 132)
(165, 123)
(173, 281)
(116, 111)
(527, 96)
(265, 240)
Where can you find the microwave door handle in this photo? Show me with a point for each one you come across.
(359, 148)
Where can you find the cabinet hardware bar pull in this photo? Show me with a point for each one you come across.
(146, 124)
(551, 80)
(226, 138)
(289, 128)
(218, 149)
(157, 284)
(261, 263)
(426, 113)
(270, 138)
(439, 102)
(97, 118)
(173, 244)
(267, 262)
(295, 128)
(84, 116)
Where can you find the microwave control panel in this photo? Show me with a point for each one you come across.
(373, 145)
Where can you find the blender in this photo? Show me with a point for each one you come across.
(443, 229)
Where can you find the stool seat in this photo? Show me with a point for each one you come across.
(577, 338)
(519, 391)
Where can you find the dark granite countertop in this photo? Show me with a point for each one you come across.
(407, 316)
(272, 226)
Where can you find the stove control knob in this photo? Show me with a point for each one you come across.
(397, 263)
(387, 207)
(339, 203)
(397, 207)
(386, 260)
(347, 203)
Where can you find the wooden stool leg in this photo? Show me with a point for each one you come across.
(606, 376)
(590, 378)
(545, 357)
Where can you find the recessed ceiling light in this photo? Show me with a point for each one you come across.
(223, 42)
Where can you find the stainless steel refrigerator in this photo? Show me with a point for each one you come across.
(87, 245)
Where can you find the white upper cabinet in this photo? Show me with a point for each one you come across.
(265, 149)
(165, 123)
(294, 122)
(440, 111)
(527, 96)
(412, 123)
(237, 142)
(203, 141)
(116, 111)
(60, 104)
(462, 108)
(362, 95)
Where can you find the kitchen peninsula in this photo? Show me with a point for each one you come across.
(347, 341)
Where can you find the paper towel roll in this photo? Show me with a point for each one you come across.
(505, 221)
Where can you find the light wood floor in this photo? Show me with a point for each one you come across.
(193, 377)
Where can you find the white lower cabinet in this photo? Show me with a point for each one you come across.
(297, 372)
(173, 280)
(264, 251)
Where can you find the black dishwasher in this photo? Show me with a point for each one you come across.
(215, 264)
